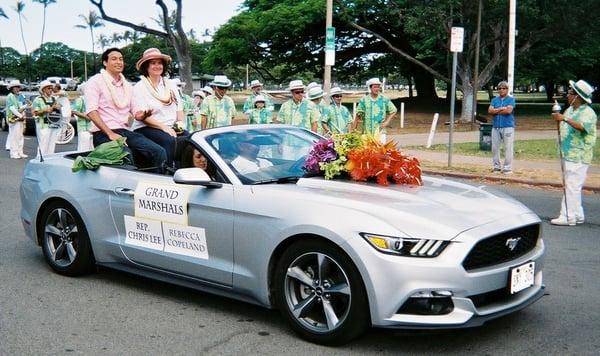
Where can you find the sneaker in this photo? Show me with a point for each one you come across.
(23, 155)
(15, 157)
(562, 221)
(507, 171)
(579, 221)
(496, 170)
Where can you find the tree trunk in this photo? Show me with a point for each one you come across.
(425, 85)
(185, 65)
(549, 84)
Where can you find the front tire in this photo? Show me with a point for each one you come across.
(320, 293)
(65, 240)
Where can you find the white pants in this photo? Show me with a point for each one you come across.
(46, 139)
(7, 144)
(16, 139)
(575, 174)
(84, 141)
(500, 135)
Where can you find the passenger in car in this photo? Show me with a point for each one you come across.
(157, 104)
(192, 157)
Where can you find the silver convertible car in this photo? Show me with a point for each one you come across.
(334, 256)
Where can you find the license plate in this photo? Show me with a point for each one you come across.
(521, 277)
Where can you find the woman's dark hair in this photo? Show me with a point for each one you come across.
(144, 67)
(107, 52)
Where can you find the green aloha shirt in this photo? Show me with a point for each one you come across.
(38, 104)
(323, 113)
(259, 116)
(82, 124)
(578, 146)
(12, 101)
(374, 112)
(218, 112)
(188, 111)
(249, 103)
(303, 114)
(338, 119)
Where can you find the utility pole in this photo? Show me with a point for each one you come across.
(476, 69)
(512, 14)
(329, 56)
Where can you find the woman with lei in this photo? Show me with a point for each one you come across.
(157, 106)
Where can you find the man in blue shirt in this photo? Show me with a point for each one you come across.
(503, 129)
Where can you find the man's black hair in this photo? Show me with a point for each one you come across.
(107, 52)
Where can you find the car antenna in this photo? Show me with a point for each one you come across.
(40, 153)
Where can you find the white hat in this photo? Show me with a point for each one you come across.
(221, 81)
(296, 84)
(255, 83)
(312, 85)
(373, 81)
(14, 83)
(208, 89)
(335, 91)
(583, 89)
(199, 93)
(45, 83)
(258, 98)
(152, 53)
(178, 82)
(315, 93)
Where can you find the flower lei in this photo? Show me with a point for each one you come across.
(120, 102)
(166, 99)
(362, 157)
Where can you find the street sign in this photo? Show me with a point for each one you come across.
(330, 46)
(456, 39)
(330, 39)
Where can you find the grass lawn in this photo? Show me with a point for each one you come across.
(526, 149)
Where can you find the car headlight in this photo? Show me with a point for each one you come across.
(404, 246)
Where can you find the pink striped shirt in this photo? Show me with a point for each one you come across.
(98, 98)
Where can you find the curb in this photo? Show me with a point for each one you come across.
(505, 179)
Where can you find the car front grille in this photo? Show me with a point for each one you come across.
(502, 247)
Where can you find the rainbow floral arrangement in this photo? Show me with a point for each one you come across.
(363, 158)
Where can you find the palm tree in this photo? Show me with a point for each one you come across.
(103, 41)
(126, 36)
(2, 14)
(116, 38)
(92, 21)
(45, 3)
(19, 9)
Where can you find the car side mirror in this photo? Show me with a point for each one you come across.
(194, 176)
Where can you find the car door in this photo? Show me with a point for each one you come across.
(153, 233)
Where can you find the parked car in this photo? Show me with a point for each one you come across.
(334, 256)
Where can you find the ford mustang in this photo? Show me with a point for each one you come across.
(334, 256)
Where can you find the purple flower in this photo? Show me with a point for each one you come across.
(322, 151)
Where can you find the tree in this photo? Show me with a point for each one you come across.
(19, 9)
(45, 3)
(103, 41)
(116, 38)
(172, 31)
(92, 21)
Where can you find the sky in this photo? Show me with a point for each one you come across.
(62, 16)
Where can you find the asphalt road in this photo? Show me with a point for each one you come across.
(112, 313)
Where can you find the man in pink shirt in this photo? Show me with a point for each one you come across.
(108, 98)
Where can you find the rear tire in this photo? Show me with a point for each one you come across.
(65, 240)
(321, 293)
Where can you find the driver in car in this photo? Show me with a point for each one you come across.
(247, 160)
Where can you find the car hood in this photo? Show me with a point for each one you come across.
(440, 208)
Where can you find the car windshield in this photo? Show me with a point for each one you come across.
(266, 155)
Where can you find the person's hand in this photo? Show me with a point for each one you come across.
(113, 136)
(558, 116)
(170, 131)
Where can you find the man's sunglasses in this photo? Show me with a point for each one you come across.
(297, 91)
